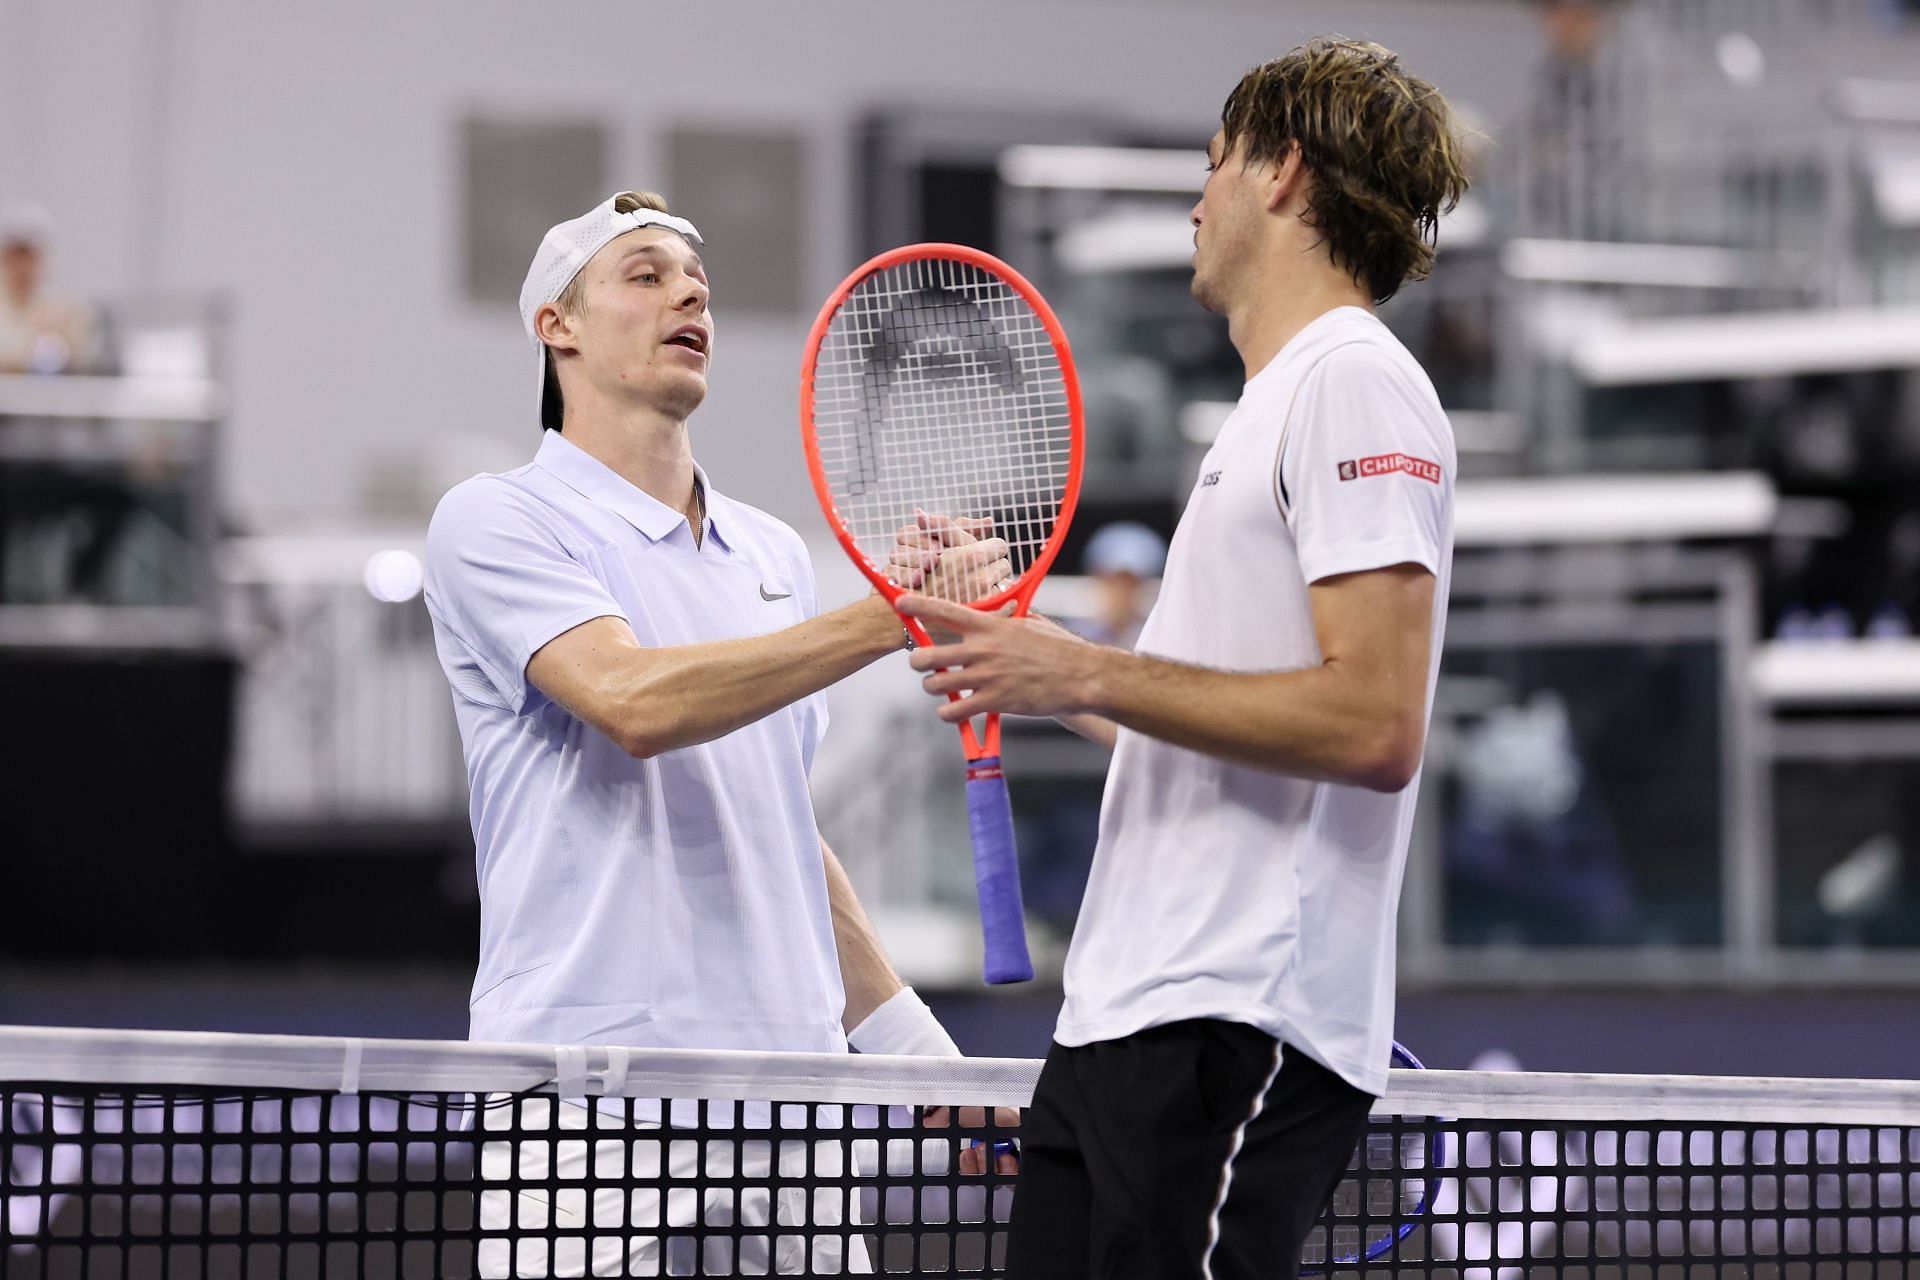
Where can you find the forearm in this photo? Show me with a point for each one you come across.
(1318, 723)
(687, 694)
(865, 971)
(1091, 727)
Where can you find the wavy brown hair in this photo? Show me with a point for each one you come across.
(1378, 142)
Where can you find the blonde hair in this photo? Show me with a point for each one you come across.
(1379, 142)
(573, 299)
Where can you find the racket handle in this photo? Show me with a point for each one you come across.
(996, 870)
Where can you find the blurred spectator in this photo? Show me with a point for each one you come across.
(1121, 558)
(1568, 129)
(60, 522)
(1532, 855)
(38, 333)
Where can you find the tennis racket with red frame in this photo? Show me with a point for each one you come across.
(937, 382)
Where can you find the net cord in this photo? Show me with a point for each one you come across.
(325, 1064)
(321, 1064)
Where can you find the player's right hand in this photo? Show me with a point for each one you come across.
(950, 558)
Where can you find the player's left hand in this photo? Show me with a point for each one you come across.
(1019, 666)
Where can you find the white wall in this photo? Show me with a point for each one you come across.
(301, 157)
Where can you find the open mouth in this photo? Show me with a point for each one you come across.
(692, 338)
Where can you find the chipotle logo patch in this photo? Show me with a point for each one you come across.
(1387, 463)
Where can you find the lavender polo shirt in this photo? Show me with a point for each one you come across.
(676, 902)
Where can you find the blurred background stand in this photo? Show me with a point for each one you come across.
(109, 504)
(1676, 740)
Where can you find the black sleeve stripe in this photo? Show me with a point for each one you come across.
(1281, 493)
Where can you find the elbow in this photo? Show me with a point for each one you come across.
(1391, 758)
(646, 731)
(662, 728)
(639, 743)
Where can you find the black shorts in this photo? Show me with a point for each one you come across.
(1187, 1150)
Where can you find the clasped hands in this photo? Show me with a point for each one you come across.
(1023, 666)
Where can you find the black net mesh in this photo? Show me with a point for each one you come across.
(169, 1180)
(1501, 1200)
(182, 1181)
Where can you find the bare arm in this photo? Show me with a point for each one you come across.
(1091, 727)
(1358, 718)
(870, 982)
(864, 968)
(650, 700)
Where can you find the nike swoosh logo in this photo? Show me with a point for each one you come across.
(764, 596)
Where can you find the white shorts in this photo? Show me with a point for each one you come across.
(626, 1230)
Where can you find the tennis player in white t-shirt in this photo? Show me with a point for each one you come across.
(1229, 991)
(636, 662)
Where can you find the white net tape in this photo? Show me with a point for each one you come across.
(334, 1064)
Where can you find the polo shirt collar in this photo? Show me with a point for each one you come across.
(597, 482)
(720, 514)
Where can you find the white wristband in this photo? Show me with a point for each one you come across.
(903, 1024)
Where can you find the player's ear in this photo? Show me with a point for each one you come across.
(555, 327)
(1283, 179)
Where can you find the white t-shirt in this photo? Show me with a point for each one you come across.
(679, 901)
(1221, 891)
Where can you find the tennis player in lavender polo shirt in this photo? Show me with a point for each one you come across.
(637, 663)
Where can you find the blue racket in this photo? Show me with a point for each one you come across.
(1383, 1197)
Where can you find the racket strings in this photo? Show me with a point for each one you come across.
(938, 390)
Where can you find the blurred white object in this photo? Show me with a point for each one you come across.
(1740, 57)
(1496, 1060)
(1614, 508)
(394, 576)
(1201, 420)
(1520, 762)
(1678, 266)
(1861, 882)
(1855, 672)
(1128, 240)
(1179, 170)
(174, 352)
(1758, 344)
(1893, 180)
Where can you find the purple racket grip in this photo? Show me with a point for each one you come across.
(996, 869)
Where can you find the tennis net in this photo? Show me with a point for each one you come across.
(137, 1154)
